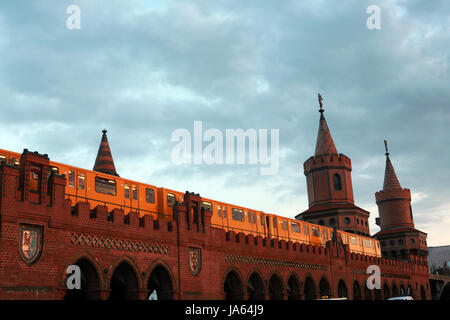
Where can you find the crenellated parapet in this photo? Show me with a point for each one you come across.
(335, 161)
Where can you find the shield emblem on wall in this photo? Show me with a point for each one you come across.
(195, 260)
(30, 243)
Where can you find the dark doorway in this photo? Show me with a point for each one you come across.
(124, 285)
(90, 288)
(255, 287)
(367, 293)
(386, 292)
(342, 289)
(324, 288)
(275, 288)
(161, 283)
(293, 288)
(233, 287)
(356, 291)
(394, 290)
(310, 289)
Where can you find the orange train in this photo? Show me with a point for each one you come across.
(116, 192)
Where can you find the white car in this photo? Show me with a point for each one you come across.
(402, 298)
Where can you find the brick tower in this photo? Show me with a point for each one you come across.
(330, 190)
(104, 162)
(398, 237)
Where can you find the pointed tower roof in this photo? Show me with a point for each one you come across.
(390, 178)
(324, 144)
(104, 162)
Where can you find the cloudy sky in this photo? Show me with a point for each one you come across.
(142, 69)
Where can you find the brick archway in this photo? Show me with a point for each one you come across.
(232, 286)
(357, 294)
(255, 287)
(342, 289)
(160, 278)
(293, 287)
(276, 287)
(124, 282)
(310, 289)
(90, 282)
(324, 288)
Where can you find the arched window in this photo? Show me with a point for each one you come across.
(337, 182)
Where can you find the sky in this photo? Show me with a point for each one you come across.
(143, 69)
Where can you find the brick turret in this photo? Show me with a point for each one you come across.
(397, 236)
(330, 190)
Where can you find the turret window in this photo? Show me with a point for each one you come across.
(337, 182)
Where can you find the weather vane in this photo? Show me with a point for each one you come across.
(320, 102)
(386, 147)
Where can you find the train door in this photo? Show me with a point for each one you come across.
(81, 185)
(127, 203)
(268, 226)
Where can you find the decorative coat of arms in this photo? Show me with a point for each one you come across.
(30, 243)
(195, 260)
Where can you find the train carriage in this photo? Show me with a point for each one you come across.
(115, 192)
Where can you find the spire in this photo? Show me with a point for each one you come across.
(324, 144)
(104, 162)
(390, 178)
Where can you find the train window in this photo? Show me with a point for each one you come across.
(219, 211)
(274, 222)
(170, 199)
(149, 195)
(254, 218)
(224, 211)
(337, 182)
(207, 205)
(295, 227)
(15, 161)
(126, 189)
(324, 234)
(105, 186)
(353, 239)
(249, 217)
(315, 231)
(305, 229)
(367, 243)
(71, 179)
(134, 188)
(237, 214)
(81, 181)
(2, 159)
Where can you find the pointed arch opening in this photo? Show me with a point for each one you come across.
(337, 183)
(356, 291)
(394, 290)
(324, 288)
(342, 289)
(124, 283)
(386, 291)
(255, 287)
(276, 288)
(310, 289)
(293, 288)
(160, 284)
(367, 293)
(232, 286)
(90, 283)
